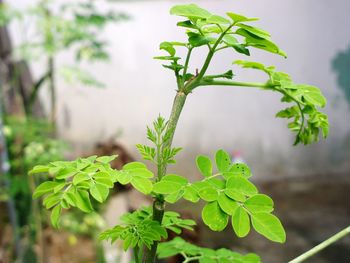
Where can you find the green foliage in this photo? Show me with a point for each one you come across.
(204, 255)
(138, 228)
(75, 182)
(307, 121)
(159, 135)
(228, 193)
(218, 33)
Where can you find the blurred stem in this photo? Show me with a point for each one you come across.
(158, 203)
(321, 246)
(52, 87)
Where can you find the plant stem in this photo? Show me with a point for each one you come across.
(234, 83)
(208, 59)
(158, 204)
(322, 246)
(52, 88)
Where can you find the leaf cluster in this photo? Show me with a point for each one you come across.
(159, 135)
(228, 193)
(236, 33)
(203, 255)
(75, 182)
(216, 32)
(307, 120)
(138, 228)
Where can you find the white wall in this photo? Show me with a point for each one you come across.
(311, 32)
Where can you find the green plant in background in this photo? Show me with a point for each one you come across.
(60, 28)
(227, 191)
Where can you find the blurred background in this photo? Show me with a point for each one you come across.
(91, 87)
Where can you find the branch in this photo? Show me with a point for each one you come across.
(186, 64)
(194, 84)
(321, 246)
(36, 87)
(212, 82)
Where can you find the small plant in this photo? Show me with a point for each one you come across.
(227, 190)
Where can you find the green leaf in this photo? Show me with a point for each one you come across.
(269, 226)
(52, 200)
(238, 169)
(99, 192)
(197, 40)
(191, 194)
(260, 43)
(187, 24)
(312, 95)
(39, 169)
(215, 19)
(134, 165)
(214, 217)
(289, 112)
(166, 187)
(259, 203)
(66, 173)
(70, 198)
(44, 188)
(106, 159)
(204, 165)
(191, 11)
(83, 201)
(168, 47)
(234, 194)
(250, 64)
(241, 222)
(239, 18)
(208, 194)
(105, 181)
(142, 184)
(241, 185)
(123, 177)
(80, 177)
(174, 197)
(241, 49)
(55, 215)
(251, 258)
(223, 161)
(255, 30)
(228, 205)
(230, 40)
(175, 179)
(167, 58)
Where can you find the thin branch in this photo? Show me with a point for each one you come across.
(211, 53)
(188, 56)
(321, 246)
(206, 82)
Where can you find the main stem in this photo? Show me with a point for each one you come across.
(158, 203)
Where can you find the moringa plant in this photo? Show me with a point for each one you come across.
(227, 191)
